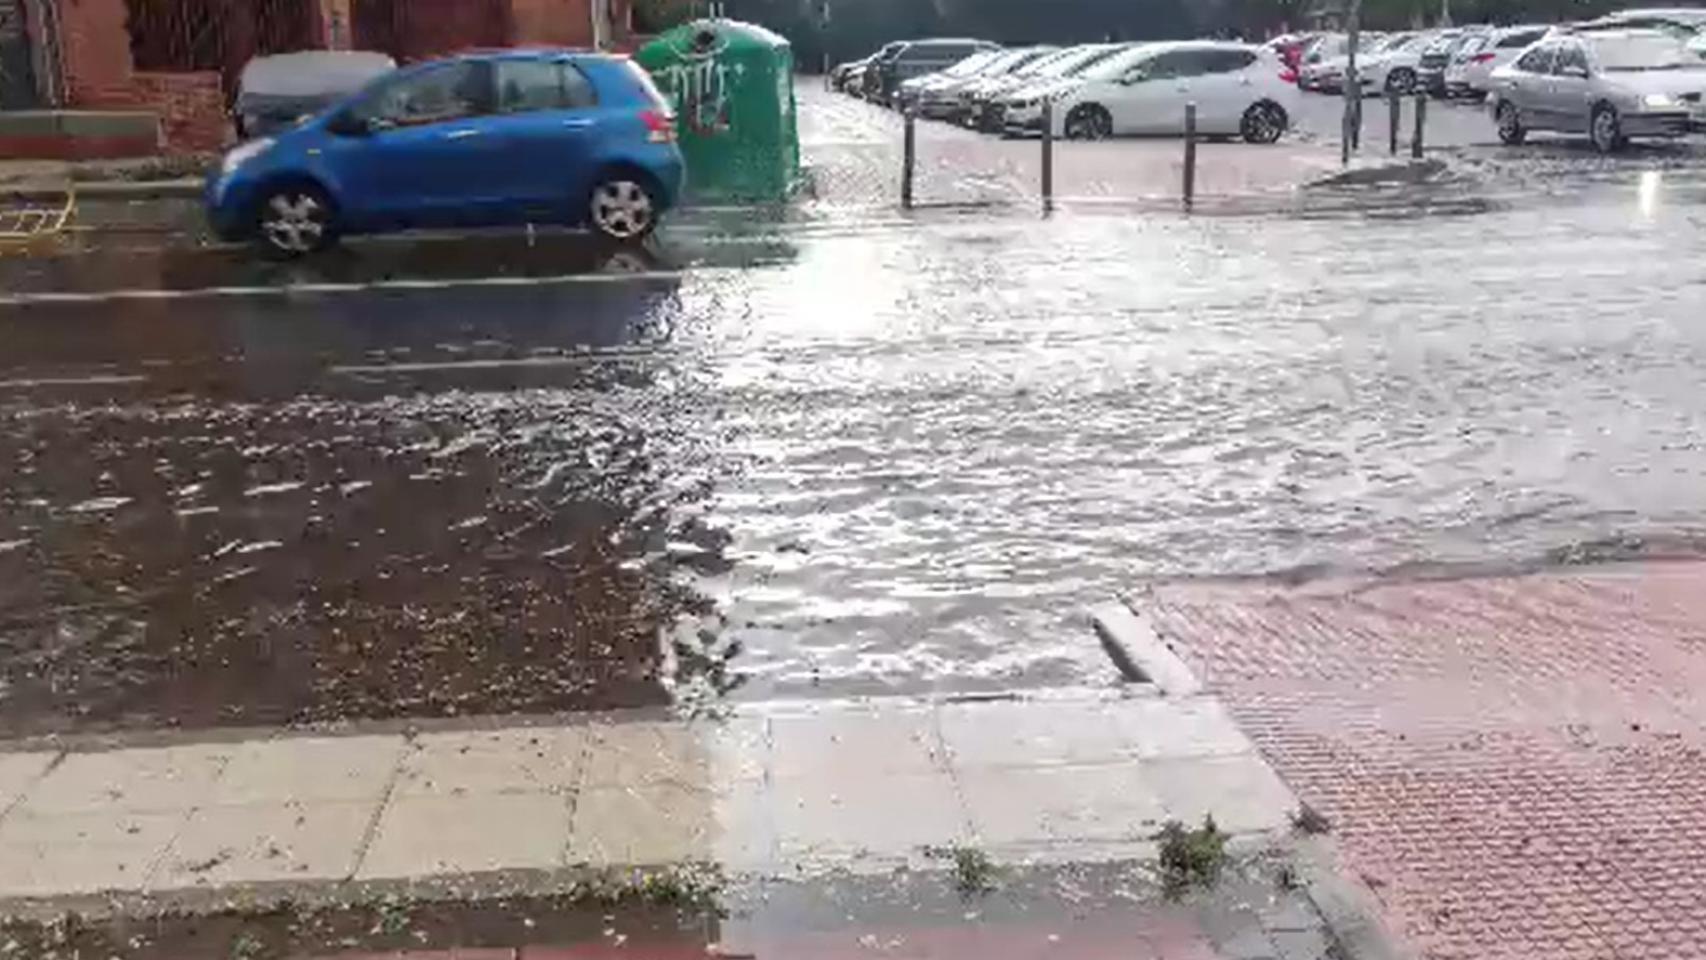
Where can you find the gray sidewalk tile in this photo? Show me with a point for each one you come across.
(1189, 727)
(654, 824)
(878, 742)
(1052, 805)
(18, 773)
(1242, 792)
(853, 813)
(163, 778)
(308, 769)
(1032, 733)
(425, 836)
(547, 759)
(256, 843)
(85, 852)
(625, 754)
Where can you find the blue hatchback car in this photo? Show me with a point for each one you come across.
(525, 136)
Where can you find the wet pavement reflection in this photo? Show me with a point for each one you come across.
(833, 459)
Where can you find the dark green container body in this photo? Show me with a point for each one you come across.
(731, 85)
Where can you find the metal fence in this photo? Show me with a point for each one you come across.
(180, 36)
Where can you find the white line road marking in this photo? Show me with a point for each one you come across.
(142, 293)
(452, 365)
(95, 381)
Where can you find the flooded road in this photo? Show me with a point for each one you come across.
(862, 459)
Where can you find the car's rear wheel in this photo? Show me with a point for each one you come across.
(622, 208)
(1263, 123)
(1089, 121)
(294, 221)
(1605, 129)
(1509, 120)
(1401, 80)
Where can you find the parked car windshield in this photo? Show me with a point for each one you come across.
(972, 64)
(1654, 51)
(1007, 61)
(1116, 66)
(1075, 62)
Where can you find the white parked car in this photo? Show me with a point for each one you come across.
(1471, 71)
(1688, 23)
(1392, 67)
(1327, 74)
(1610, 85)
(1323, 56)
(1239, 89)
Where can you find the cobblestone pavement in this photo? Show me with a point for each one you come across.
(1515, 765)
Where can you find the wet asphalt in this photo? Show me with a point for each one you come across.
(848, 454)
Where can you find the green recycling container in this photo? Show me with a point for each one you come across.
(731, 85)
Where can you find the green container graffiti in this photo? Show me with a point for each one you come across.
(732, 87)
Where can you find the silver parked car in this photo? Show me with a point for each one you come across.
(1610, 85)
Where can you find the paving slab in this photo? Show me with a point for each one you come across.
(1020, 810)
(854, 815)
(524, 760)
(18, 773)
(307, 769)
(149, 779)
(874, 741)
(84, 852)
(261, 843)
(1241, 792)
(1031, 733)
(651, 824)
(434, 835)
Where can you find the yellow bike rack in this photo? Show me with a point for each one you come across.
(23, 226)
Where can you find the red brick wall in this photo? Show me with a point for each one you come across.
(556, 23)
(95, 50)
(563, 23)
(191, 108)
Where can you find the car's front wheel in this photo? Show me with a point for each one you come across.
(1605, 129)
(1263, 123)
(1401, 80)
(294, 221)
(1089, 121)
(622, 208)
(1511, 130)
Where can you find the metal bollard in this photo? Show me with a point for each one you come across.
(1395, 105)
(909, 153)
(1190, 154)
(1421, 125)
(1048, 156)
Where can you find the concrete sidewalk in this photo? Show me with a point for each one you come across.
(864, 786)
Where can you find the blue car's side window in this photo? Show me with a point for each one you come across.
(527, 86)
(440, 94)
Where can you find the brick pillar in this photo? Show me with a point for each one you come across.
(94, 49)
(335, 29)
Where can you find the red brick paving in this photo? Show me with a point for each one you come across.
(1515, 765)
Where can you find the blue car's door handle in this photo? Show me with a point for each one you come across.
(579, 124)
(461, 134)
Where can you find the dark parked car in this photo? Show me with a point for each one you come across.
(850, 76)
(275, 92)
(915, 58)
